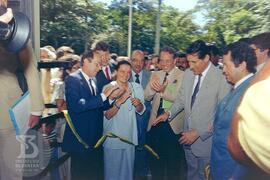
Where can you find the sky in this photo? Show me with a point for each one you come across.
(182, 5)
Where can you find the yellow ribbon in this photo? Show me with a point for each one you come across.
(103, 138)
(68, 119)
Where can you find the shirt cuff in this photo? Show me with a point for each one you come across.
(111, 101)
(36, 113)
(104, 98)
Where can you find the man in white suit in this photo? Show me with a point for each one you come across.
(162, 89)
(202, 89)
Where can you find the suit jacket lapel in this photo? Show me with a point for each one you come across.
(85, 83)
(190, 89)
(144, 83)
(205, 84)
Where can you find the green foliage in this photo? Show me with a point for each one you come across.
(178, 30)
(78, 23)
(228, 21)
(74, 23)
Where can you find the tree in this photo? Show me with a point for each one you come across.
(228, 21)
(73, 23)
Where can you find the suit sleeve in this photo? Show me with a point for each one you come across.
(178, 104)
(139, 95)
(222, 92)
(33, 81)
(75, 101)
(148, 92)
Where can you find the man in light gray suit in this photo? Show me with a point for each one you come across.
(140, 76)
(202, 89)
(163, 138)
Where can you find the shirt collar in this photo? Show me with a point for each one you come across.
(104, 67)
(206, 70)
(171, 71)
(133, 73)
(242, 80)
(86, 77)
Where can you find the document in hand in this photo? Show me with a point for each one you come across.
(20, 113)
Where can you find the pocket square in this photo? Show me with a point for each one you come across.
(82, 101)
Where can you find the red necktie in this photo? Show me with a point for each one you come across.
(107, 73)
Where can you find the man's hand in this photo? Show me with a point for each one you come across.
(33, 121)
(117, 93)
(109, 89)
(189, 137)
(124, 97)
(156, 85)
(137, 103)
(162, 118)
(6, 18)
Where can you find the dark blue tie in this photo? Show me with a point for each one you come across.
(196, 90)
(137, 80)
(92, 87)
(160, 107)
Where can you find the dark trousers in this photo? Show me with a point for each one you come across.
(141, 166)
(87, 165)
(172, 164)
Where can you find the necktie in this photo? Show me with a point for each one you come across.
(92, 87)
(165, 78)
(137, 80)
(195, 92)
(160, 108)
(107, 73)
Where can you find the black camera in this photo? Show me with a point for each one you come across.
(15, 34)
(55, 64)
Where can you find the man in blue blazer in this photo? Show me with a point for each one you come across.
(239, 62)
(85, 104)
(140, 76)
(102, 52)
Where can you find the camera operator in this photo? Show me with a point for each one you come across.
(11, 90)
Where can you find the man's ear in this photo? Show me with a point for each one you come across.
(207, 58)
(243, 65)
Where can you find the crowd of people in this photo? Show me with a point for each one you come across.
(199, 109)
(180, 104)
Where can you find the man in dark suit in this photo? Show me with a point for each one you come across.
(102, 52)
(140, 76)
(85, 104)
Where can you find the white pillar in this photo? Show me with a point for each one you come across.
(32, 9)
(157, 39)
(130, 4)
